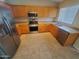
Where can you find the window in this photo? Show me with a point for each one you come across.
(67, 15)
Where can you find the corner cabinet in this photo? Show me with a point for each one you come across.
(53, 29)
(22, 28)
(66, 36)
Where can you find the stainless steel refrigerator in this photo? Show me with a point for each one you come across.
(9, 39)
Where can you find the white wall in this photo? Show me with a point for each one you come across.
(31, 2)
(68, 3)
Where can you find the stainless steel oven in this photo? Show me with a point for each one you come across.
(33, 21)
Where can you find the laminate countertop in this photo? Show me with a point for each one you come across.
(58, 24)
(66, 28)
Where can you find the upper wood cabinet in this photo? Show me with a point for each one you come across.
(31, 8)
(19, 11)
(42, 11)
(53, 12)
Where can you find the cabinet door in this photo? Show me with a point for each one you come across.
(43, 12)
(42, 27)
(40, 12)
(22, 28)
(52, 12)
(19, 11)
(53, 29)
(62, 36)
(71, 39)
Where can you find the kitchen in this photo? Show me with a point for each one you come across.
(39, 29)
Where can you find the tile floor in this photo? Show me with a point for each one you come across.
(43, 46)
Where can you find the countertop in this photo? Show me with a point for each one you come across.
(58, 24)
(66, 28)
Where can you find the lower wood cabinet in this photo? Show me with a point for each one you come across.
(66, 38)
(71, 39)
(53, 29)
(22, 28)
(63, 37)
(42, 28)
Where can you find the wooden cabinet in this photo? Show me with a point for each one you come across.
(21, 11)
(71, 39)
(66, 38)
(52, 12)
(43, 12)
(42, 27)
(62, 36)
(22, 28)
(53, 29)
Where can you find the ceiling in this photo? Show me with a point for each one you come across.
(34, 2)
